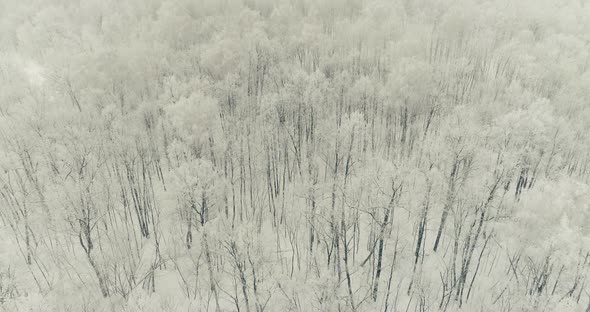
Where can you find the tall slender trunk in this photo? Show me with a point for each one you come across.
(448, 203)
(389, 211)
(212, 284)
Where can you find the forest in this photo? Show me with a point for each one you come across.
(295, 155)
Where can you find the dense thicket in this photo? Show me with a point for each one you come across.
(294, 155)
